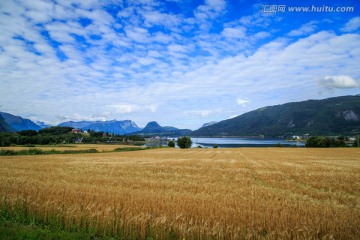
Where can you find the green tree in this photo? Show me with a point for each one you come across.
(357, 141)
(184, 142)
(136, 138)
(55, 130)
(312, 142)
(5, 139)
(28, 133)
(171, 144)
(325, 142)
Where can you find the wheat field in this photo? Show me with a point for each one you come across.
(243, 193)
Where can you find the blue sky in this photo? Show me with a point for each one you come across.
(181, 63)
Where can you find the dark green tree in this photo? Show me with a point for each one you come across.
(171, 144)
(135, 138)
(28, 133)
(357, 141)
(325, 142)
(184, 142)
(55, 130)
(6, 139)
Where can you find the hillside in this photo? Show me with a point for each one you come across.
(4, 126)
(153, 128)
(112, 126)
(338, 115)
(19, 123)
(208, 124)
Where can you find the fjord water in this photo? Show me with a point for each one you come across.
(243, 142)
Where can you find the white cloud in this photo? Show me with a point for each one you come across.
(238, 32)
(146, 61)
(211, 9)
(341, 81)
(218, 5)
(153, 107)
(124, 108)
(157, 18)
(203, 113)
(256, 20)
(304, 29)
(161, 37)
(127, 108)
(76, 117)
(38, 10)
(137, 34)
(242, 102)
(352, 25)
(176, 48)
(261, 35)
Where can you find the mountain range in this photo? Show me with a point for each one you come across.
(153, 128)
(43, 124)
(331, 116)
(18, 123)
(112, 126)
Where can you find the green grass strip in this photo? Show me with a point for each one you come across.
(14, 231)
(129, 149)
(37, 151)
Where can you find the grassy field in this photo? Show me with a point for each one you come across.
(261, 193)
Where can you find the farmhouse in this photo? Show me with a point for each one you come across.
(75, 130)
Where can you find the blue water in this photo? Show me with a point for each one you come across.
(242, 142)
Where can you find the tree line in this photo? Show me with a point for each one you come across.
(327, 142)
(61, 135)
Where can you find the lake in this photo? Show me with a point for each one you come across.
(242, 142)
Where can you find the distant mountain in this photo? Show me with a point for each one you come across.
(208, 124)
(113, 126)
(153, 128)
(42, 124)
(19, 123)
(78, 125)
(332, 116)
(4, 126)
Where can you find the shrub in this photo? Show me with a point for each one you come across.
(7, 152)
(324, 142)
(184, 142)
(171, 144)
(215, 146)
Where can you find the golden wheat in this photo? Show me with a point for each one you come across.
(243, 193)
